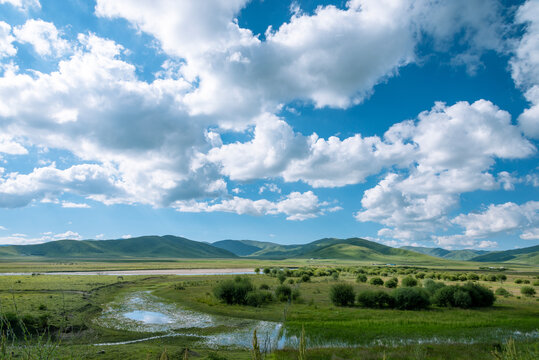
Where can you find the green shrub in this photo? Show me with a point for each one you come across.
(525, 281)
(281, 277)
(409, 281)
(307, 278)
(376, 281)
(233, 291)
(411, 298)
(392, 283)
(361, 278)
(518, 281)
(527, 291)
(257, 270)
(536, 283)
(283, 293)
(473, 276)
(375, 299)
(492, 277)
(431, 286)
(481, 296)
(267, 271)
(443, 296)
(258, 298)
(501, 277)
(264, 287)
(502, 292)
(462, 299)
(342, 294)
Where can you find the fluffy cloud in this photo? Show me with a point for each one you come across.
(455, 146)
(49, 182)
(500, 218)
(6, 41)
(73, 205)
(23, 239)
(296, 206)
(531, 234)
(23, 5)
(94, 107)
(525, 66)
(9, 146)
(43, 36)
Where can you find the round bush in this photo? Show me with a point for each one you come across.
(376, 281)
(462, 299)
(375, 299)
(411, 298)
(283, 292)
(233, 291)
(527, 291)
(443, 296)
(307, 278)
(258, 298)
(409, 281)
(502, 292)
(342, 295)
(481, 296)
(361, 278)
(473, 276)
(264, 287)
(392, 283)
(432, 286)
(518, 281)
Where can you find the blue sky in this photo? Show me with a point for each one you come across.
(410, 122)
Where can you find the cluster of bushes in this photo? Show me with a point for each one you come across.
(527, 291)
(240, 291)
(25, 325)
(403, 298)
(411, 297)
(465, 296)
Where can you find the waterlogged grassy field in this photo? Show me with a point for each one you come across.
(73, 307)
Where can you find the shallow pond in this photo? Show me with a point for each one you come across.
(144, 312)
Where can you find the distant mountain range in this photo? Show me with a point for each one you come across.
(528, 255)
(167, 246)
(466, 254)
(170, 247)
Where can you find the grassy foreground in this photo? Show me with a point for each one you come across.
(69, 305)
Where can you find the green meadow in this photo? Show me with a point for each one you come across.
(65, 315)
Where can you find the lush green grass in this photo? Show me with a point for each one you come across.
(76, 300)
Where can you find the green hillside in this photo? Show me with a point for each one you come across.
(139, 247)
(243, 247)
(465, 254)
(350, 249)
(529, 255)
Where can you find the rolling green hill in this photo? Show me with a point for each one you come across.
(350, 249)
(167, 246)
(465, 254)
(528, 255)
(243, 247)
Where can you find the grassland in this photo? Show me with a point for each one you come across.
(72, 303)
